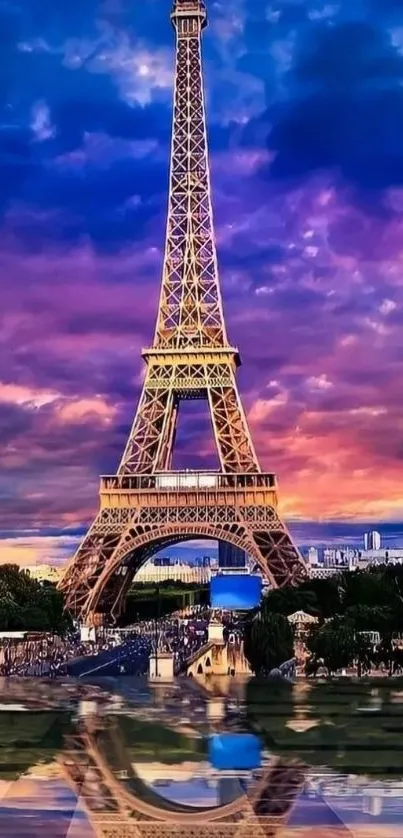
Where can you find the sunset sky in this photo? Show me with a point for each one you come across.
(305, 110)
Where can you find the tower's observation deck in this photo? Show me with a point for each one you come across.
(185, 489)
(146, 506)
(189, 11)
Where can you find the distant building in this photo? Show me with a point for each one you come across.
(337, 561)
(43, 573)
(338, 556)
(230, 556)
(162, 561)
(153, 573)
(313, 556)
(393, 555)
(372, 540)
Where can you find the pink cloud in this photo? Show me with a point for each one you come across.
(315, 310)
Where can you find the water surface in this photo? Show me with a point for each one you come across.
(313, 759)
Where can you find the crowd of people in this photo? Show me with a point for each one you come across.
(35, 658)
(183, 638)
(112, 653)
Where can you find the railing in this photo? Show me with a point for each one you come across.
(188, 7)
(181, 664)
(195, 349)
(185, 480)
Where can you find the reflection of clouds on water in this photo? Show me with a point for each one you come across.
(37, 792)
(350, 801)
(41, 808)
(25, 823)
(369, 806)
(194, 792)
(192, 784)
(4, 787)
(172, 761)
(79, 828)
(313, 811)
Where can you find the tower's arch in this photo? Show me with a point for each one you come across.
(134, 550)
(137, 802)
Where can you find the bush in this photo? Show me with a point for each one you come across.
(269, 641)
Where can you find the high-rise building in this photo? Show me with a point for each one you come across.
(162, 561)
(202, 561)
(230, 556)
(372, 540)
(376, 540)
(151, 573)
(338, 556)
(313, 556)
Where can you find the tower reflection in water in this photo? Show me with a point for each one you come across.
(126, 759)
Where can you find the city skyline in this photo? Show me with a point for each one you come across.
(55, 548)
(308, 230)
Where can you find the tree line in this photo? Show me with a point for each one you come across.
(346, 606)
(28, 605)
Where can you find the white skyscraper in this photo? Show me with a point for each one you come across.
(313, 556)
(372, 540)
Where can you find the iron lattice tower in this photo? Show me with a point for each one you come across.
(146, 506)
(119, 809)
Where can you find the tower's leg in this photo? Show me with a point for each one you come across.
(149, 445)
(233, 439)
(86, 566)
(279, 555)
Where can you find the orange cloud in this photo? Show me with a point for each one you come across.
(32, 549)
(329, 474)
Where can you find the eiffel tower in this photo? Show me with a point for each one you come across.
(117, 807)
(146, 506)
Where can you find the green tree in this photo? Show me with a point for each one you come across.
(384, 652)
(373, 589)
(327, 593)
(52, 603)
(288, 600)
(9, 609)
(335, 644)
(364, 618)
(346, 605)
(25, 604)
(35, 618)
(269, 641)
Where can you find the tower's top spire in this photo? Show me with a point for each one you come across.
(189, 9)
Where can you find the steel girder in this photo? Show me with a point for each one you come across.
(190, 359)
